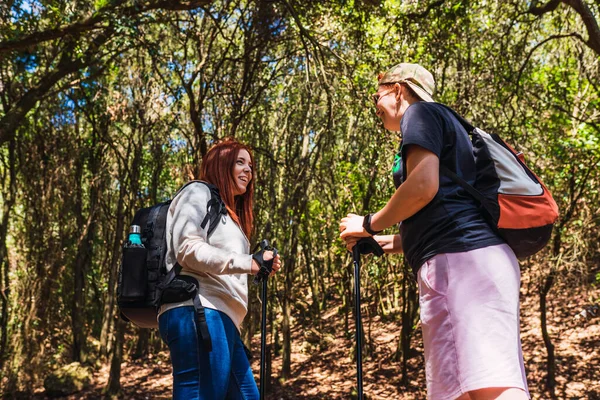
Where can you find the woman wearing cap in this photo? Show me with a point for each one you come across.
(221, 264)
(468, 277)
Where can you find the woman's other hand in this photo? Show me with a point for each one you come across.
(391, 244)
(351, 242)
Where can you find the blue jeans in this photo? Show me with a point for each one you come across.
(224, 373)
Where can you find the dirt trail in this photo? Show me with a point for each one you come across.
(322, 367)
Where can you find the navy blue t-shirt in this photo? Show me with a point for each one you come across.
(451, 222)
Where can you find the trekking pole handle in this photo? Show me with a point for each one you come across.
(265, 266)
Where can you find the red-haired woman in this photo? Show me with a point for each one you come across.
(220, 263)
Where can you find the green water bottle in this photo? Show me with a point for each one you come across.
(135, 236)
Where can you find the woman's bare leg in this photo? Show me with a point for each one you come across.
(497, 394)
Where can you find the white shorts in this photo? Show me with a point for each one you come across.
(470, 318)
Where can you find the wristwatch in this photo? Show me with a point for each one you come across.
(367, 225)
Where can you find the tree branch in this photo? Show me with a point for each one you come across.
(424, 13)
(66, 66)
(522, 69)
(548, 7)
(590, 23)
(581, 8)
(414, 15)
(69, 65)
(94, 22)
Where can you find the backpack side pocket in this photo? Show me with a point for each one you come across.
(134, 275)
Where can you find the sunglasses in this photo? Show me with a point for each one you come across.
(377, 96)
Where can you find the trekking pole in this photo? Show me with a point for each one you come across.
(263, 341)
(358, 320)
(263, 275)
(366, 245)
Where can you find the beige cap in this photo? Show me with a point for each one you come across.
(418, 78)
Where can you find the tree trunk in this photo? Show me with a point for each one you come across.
(346, 293)
(142, 344)
(83, 259)
(4, 299)
(544, 290)
(286, 331)
(113, 387)
(551, 362)
(78, 306)
(109, 301)
(410, 307)
(9, 196)
(311, 273)
(285, 324)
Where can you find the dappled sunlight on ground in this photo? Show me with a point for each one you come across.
(323, 367)
(577, 343)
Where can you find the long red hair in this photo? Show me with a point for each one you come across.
(217, 168)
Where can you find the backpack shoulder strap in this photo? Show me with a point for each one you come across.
(188, 183)
(451, 174)
(149, 229)
(215, 207)
(465, 185)
(465, 124)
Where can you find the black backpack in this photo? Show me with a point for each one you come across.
(143, 276)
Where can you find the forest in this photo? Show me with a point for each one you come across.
(108, 106)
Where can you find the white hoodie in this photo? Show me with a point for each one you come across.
(221, 263)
